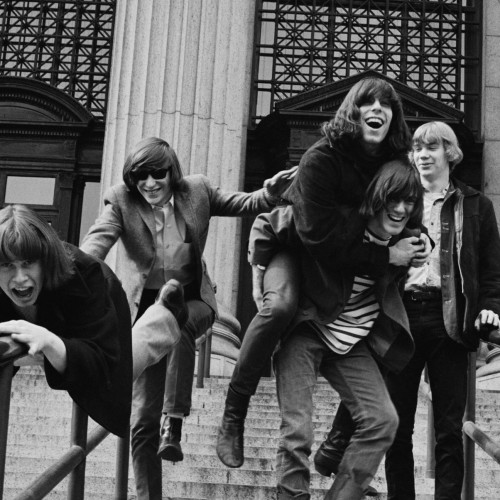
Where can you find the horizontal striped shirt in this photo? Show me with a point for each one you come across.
(356, 320)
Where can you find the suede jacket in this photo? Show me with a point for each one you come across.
(470, 280)
(325, 289)
(129, 220)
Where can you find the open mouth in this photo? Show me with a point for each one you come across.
(396, 218)
(374, 122)
(23, 293)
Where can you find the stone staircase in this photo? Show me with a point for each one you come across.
(40, 426)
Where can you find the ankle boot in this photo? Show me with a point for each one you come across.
(330, 452)
(230, 438)
(170, 440)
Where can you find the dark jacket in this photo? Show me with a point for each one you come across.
(90, 314)
(129, 220)
(325, 289)
(470, 280)
(330, 177)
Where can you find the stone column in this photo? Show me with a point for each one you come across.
(181, 70)
(491, 102)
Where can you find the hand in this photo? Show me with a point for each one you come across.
(421, 257)
(258, 286)
(277, 184)
(405, 250)
(487, 319)
(39, 340)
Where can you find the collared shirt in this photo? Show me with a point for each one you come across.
(173, 256)
(429, 275)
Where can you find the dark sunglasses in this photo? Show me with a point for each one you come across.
(143, 174)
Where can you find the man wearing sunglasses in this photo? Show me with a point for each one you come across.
(159, 220)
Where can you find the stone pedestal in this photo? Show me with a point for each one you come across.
(488, 375)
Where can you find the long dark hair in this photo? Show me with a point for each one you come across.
(26, 236)
(396, 180)
(346, 122)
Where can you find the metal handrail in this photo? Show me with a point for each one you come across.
(73, 461)
(491, 447)
(204, 344)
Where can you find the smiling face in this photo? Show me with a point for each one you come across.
(156, 191)
(21, 281)
(431, 161)
(392, 219)
(375, 121)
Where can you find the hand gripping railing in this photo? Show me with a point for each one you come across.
(73, 461)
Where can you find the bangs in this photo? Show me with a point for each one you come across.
(407, 188)
(427, 135)
(20, 243)
(375, 89)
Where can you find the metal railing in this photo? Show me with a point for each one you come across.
(73, 461)
(204, 344)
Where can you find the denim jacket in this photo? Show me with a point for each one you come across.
(470, 280)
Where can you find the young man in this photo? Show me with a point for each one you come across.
(447, 301)
(342, 319)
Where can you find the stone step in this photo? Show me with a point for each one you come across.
(39, 433)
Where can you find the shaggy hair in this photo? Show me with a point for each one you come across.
(24, 235)
(152, 154)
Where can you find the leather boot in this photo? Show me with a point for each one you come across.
(330, 453)
(170, 440)
(230, 437)
(344, 488)
(171, 296)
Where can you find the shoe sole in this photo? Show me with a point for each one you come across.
(171, 454)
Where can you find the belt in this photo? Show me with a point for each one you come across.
(422, 295)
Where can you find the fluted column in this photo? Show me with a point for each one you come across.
(181, 70)
(491, 102)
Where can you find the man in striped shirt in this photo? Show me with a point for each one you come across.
(341, 320)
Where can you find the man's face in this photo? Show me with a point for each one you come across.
(154, 185)
(21, 281)
(376, 117)
(392, 219)
(431, 161)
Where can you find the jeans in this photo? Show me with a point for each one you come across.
(446, 362)
(356, 377)
(163, 387)
(280, 298)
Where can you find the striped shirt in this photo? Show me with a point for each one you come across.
(356, 320)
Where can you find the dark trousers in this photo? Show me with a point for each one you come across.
(281, 287)
(446, 362)
(163, 388)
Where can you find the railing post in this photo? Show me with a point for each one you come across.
(208, 353)
(470, 415)
(79, 422)
(6, 372)
(430, 470)
(121, 485)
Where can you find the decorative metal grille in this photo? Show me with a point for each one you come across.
(67, 44)
(424, 44)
